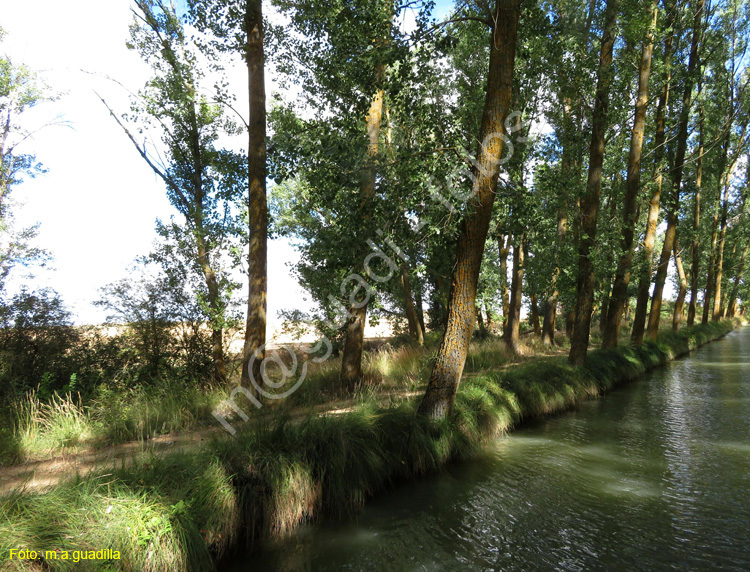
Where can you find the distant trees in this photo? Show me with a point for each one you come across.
(36, 338)
(574, 242)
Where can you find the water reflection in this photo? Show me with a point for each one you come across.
(655, 476)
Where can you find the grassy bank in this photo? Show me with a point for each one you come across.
(36, 429)
(184, 511)
(33, 428)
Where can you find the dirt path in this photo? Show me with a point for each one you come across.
(42, 474)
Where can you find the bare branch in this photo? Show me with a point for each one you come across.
(143, 153)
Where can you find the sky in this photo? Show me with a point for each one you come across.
(98, 201)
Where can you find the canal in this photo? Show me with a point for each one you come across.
(654, 476)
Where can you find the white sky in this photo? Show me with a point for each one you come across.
(98, 202)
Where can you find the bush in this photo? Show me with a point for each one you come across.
(36, 340)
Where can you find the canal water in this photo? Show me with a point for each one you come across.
(654, 476)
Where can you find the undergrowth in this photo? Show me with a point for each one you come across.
(39, 427)
(184, 511)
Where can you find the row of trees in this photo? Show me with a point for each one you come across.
(566, 133)
(671, 148)
(559, 154)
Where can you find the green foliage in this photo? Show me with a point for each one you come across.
(206, 184)
(166, 334)
(36, 341)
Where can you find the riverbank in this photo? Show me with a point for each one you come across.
(185, 511)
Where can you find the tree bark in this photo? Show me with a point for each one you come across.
(590, 201)
(488, 315)
(570, 318)
(649, 240)
(415, 328)
(550, 304)
(709, 290)
(419, 308)
(619, 297)
(550, 315)
(732, 308)
(695, 249)
(451, 357)
(255, 331)
(535, 316)
(214, 304)
(503, 246)
(512, 335)
(674, 195)
(351, 361)
(716, 314)
(679, 304)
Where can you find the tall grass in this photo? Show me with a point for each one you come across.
(143, 412)
(60, 423)
(113, 416)
(386, 369)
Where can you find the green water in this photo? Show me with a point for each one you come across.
(654, 476)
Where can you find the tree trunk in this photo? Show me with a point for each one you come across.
(533, 300)
(415, 328)
(644, 280)
(590, 200)
(512, 336)
(351, 361)
(606, 290)
(480, 322)
(451, 357)
(674, 195)
(217, 313)
(550, 304)
(695, 250)
(619, 297)
(419, 308)
(732, 308)
(679, 304)
(570, 318)
(255, 331)
(488, 315)
(535, 316)
(550, 316)
(708, 290)
(716, 314)
(503, 247)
